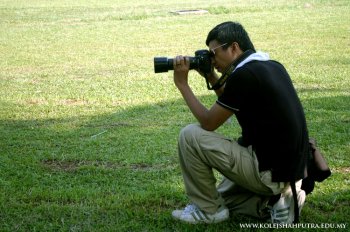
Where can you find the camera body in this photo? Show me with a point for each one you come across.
(201, 61)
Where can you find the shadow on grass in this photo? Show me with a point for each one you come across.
(119, 171)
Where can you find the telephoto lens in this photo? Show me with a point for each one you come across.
(201, 61)
(163, 64)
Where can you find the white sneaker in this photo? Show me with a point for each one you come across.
(194, 215)
(282, 212)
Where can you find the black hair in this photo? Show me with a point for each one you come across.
(229, 32)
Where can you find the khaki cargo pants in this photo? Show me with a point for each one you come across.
(243, 190)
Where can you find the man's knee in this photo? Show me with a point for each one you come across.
(190, 132)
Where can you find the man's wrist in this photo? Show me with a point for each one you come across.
(212, 78)
(182, 86)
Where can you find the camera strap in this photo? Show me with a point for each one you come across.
(222, 80)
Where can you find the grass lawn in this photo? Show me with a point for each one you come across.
(88, 131)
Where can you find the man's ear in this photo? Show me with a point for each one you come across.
(235, 46)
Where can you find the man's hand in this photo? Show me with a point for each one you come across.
(181, 69)
(212, 78)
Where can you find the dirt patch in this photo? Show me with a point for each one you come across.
(37, 102)
(73, 102)
(65, 165)
(343, 170)
(187, 12)
(73, 165)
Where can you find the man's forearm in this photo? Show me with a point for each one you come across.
(196, 107)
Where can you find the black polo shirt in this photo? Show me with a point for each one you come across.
(262, 96)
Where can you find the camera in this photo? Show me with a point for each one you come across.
(201, 61)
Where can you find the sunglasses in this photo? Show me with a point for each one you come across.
(212, 51)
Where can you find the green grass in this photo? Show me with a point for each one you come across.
(88, 132)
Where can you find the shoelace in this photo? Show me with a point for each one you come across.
(190, 208)
(280, 215)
